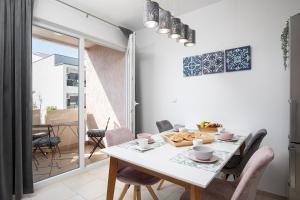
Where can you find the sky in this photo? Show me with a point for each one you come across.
(43, 46)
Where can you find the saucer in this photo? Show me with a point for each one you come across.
(151, 141)
(143, 149)
(234, 139)
(211, 160)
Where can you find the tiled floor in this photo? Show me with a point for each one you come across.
(91, 185)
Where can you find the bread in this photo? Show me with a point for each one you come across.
(188, 137)
(176, 138)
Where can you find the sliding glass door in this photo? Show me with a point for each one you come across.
(55, 81)
(80, 89)
(105, 92)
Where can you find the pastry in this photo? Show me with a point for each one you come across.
(176, 138)
(188, 137)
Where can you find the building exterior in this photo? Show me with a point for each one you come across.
(54, 82)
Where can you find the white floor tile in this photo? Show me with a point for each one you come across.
(77, 197)
(53, 192)
(92, 189)
(77, 181)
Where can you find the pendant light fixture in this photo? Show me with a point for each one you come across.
(184, 33)
(191, 38)
(175, 28)
(151, 14)
(155, 16)
(164, 24)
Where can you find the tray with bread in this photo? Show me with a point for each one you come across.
(182, 139)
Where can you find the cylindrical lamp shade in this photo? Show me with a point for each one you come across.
(184, 33)
(175, 28)
(191, 38)
(164, 25)
(151, 14)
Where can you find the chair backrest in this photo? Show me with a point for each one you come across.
(118, 136)
(251, 147)
(91, 122)
(246, 184)
(255, 141)
(164, 125)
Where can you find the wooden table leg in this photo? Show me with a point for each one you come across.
(195, 193)
(113, 168)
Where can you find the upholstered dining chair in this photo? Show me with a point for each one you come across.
(126, 174)
(164, 125)
(237, 163)
(244, 187)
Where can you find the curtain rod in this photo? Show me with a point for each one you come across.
(88, 14)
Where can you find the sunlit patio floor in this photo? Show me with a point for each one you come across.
(54, 165)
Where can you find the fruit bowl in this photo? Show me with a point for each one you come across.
(208, 126)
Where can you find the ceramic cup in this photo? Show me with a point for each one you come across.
(203, 153)
(143, 143)
(197, 142)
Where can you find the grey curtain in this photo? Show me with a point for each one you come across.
(15, 98)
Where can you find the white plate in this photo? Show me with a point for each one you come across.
(211, 160)
(234, 139)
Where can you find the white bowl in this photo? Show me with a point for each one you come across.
(203, 153)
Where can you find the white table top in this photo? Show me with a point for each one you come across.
(158, 160)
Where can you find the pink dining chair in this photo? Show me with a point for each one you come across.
(243, 188)
(126, 174)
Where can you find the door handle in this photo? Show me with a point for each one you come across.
(293, 118)
(292, 181)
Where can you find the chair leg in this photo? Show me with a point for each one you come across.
(151, 192)
(135, 193)
(138, 192)
(57, 147)
(92, 152)
(41, 150)
(125, 189)
(161, 182)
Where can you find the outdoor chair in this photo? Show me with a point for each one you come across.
(45, 139)
(95, 133)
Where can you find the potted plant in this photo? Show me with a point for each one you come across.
(285, 44)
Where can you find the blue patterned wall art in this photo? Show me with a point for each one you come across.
(192, 66)
(238, 59)
(213, 62)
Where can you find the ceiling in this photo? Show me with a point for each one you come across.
(129, 13)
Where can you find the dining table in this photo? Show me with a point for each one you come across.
(171, 163)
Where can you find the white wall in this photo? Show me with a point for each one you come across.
(51, 12)
(247, 100)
